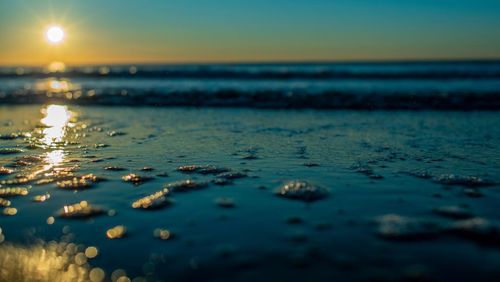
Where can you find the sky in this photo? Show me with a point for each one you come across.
(194, 31)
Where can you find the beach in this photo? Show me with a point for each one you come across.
(240, 194)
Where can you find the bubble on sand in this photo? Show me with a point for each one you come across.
(118, 274)
(91, 252)
(41, 198)
(163, 234)
(366, 170)
(115, 133)
(114, 168)
(136, 179)
(231, 175)
(477, 229)
(81, 182)
(424, 174)
(116, 232)
(153, 201)
(80, 210)
(50, 220)
(97, 275)
(302, 190)
(396, 227)
(13, 192)
(467, 180)
(9, 211)
(185, 185)
(202, 169)
(20, 180)
(147, 168)
(80, 259)
(5, 171)
(221, 181)
(97, 146)
(27, 161)
(4, 202)
(456, 212)
(473, 192)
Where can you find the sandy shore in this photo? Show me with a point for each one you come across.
(386, 195)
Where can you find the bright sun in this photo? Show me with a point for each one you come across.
(55, 34)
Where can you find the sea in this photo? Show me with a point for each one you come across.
(448, 85)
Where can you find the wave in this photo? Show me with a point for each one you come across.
(368, 100)
(380, 71)
(384, 86)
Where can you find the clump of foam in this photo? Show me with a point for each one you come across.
(302, 190)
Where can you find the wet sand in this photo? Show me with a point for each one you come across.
(384, 195)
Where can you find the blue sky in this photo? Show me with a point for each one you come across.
(121, 31)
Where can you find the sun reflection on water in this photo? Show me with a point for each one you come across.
(54, 158)
(57, 120)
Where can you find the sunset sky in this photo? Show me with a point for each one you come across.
(164, 31)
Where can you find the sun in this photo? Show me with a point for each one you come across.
(55, 34)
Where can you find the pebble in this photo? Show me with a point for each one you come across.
(302, 190)
(80, 210)
(136, 179)
(116, 232)
(396, 227)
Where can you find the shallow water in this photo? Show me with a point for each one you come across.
(389, 176)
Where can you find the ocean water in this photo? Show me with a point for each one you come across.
(423, 85)
(97, 183)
